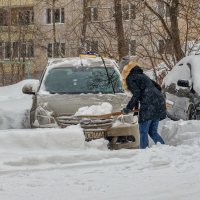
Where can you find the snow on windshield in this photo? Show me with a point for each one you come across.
(181, 71)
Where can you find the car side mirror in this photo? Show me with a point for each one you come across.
(183, 83)
(29, 89)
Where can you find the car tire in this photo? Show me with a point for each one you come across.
(191, 112)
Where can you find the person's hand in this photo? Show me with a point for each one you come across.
(125, 111)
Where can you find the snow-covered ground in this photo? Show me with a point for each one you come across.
(57, 164)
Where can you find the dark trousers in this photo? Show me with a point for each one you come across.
(149, 127)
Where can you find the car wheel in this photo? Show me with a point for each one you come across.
(196, 115)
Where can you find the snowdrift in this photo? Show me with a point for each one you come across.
(14, 105)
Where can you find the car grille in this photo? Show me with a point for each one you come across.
(86, 123)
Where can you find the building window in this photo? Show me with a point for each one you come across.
(23, 49)
(3, 18)
(163, 9)
(129, 11)
(92, 46)
(132, 47)
(55, 50)
(92, 14)
(16, 49)
(30, 49)
(50, 50)
(58, 16)
(7, 50)
(22, 16)
(1, 50)
(165, 46)
(168, 46)
(26, 49)
(25, 17)
(18, 17)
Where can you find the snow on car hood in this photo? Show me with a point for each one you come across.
(181, 71)
(70, 104)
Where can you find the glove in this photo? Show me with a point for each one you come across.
(125, 111)
(135, 114)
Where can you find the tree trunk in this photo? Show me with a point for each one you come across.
(175, 30)
(172, 30)
(122, 48)
(54, 29)
(84, 25)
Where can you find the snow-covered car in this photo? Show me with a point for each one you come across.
(69, 84)
(182, 88)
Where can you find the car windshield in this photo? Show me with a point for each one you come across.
(72, 80)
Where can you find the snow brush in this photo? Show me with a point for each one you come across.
(106, 116)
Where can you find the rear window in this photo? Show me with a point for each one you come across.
(72, 80)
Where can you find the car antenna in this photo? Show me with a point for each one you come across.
(81, 60)
(109, 78)
(82, 53)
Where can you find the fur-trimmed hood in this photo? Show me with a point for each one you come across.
(126, 71)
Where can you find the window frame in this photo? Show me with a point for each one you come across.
(132, 47)
(165, 46)
(92, 45)
(19, 16)
(30, 17)
(50, 15)
(164, 13)
(4, 17)
(93, 12)
(51, 49)
(8, 49)
(130, 11)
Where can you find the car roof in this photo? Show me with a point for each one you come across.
(80, 61)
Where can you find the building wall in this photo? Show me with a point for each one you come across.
(15, 2)
(138, 24)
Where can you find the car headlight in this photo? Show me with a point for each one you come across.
(44, 118)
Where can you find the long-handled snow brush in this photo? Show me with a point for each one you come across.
(106, 116)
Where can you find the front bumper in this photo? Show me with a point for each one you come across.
(115, 130)
(105, 128)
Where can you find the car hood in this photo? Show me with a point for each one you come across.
(69, 104)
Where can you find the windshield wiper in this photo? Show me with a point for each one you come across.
(109, 78)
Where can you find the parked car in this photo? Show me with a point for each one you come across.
(182, 89)
(70, 83)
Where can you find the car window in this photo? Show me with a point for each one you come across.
(72, 80)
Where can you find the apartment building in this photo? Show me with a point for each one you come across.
(33, 31)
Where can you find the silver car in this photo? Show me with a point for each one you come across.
(71, 83)
(182, 89)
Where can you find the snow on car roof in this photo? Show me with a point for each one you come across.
(80, 61)
(181, 71)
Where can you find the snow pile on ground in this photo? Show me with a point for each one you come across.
(14, 105)
(49, 139)
(182, 132)
(45, 148)
(15, 90)
(58, 164)
(103, 108)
